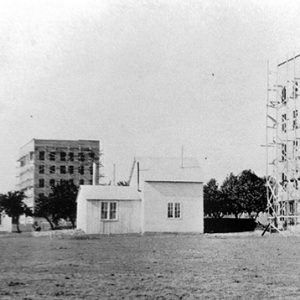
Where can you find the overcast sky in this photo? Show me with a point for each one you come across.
(143, 77)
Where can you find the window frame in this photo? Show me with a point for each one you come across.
(109, 205)
(176, 214)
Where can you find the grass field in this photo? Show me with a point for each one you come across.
(150, 267)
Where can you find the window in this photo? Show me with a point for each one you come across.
(52, 156)
(283, 95)
(31, 155)
(52, 182)
(91, 182)
(80, 156)
(71, 181)
(283, 123)
(81, 170)
(63, 156)
(52, 169)
(174, 211)
(41, 195)
(62, 169)
(42, 155)
(0, 218)
(108, 210)
(81, 182)
(41, 169)
(22, 162)
(283, 152)
(295, 148)
(92, 155)
(71, 169)
(41, 183)
(71, 156)
(91, 170)
(295, 115)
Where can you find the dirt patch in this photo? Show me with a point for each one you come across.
(150, 267)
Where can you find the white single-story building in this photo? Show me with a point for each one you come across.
(5, 223)
(164, 195)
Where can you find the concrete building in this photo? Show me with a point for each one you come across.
(44, 163)
(164, 195)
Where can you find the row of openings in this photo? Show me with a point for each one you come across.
(52, 182)
(66, 156)
(64, 169)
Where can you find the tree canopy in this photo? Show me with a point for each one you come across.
(244, 193)
(60, 204)
(13, 205)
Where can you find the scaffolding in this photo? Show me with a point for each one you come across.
(282, 145)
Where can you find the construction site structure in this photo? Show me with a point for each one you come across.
(43, 164)
(283, 145)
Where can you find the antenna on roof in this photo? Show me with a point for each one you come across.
(182, 156)
(114, 174)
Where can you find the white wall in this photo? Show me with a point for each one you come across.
(5, 223)
(81, 215)
(156, 198)
(128, 218)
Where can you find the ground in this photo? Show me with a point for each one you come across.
(150, 267)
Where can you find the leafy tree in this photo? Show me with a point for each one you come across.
(214, 202)
(252, 193)
(13, 205)
(60, 204)
(231, 191)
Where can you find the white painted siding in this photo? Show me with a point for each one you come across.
(156, 198)
(82, 218)
(128, 218)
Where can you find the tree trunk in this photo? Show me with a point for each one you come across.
(18, 225)
(50, 223)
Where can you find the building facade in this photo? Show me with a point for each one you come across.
(44, 163)
(164, 195)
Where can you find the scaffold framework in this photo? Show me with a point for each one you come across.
(282, 145)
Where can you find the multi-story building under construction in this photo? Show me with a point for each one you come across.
(45, 163)
(283, 144)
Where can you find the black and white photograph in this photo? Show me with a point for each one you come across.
(150, 149)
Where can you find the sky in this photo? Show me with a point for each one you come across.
(143, 77)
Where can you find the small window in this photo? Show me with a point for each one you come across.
(41, 169)
(71, 181)
(63, 156)
(52, 169)
(71, 169)
(41, 183)
(62, 169)
(108, 210)
(81, 170)
(174, 211)
(22, 162)
(92, 155)
(81, 182)
(91, 170)
(31, 155)
(80, 156)
(42, 155)
(41, 195)
(52, 182)
(52, 156)
(0, 218)
(91, 182)
(71, 156)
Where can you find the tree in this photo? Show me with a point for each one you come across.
(13, 205)
(231, 191)
(214, 202)
(60, 204)
(252, 193)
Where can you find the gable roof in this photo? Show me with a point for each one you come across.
(108, 192)
(168, 169)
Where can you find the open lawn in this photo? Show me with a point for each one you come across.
(150, 267)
